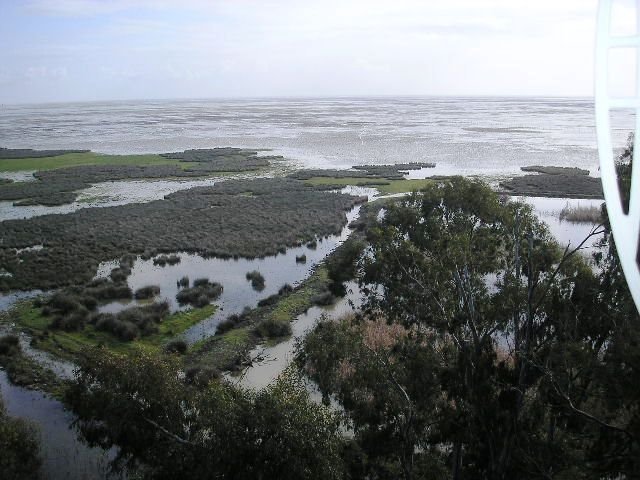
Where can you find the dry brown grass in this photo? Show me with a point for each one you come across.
(581, 214)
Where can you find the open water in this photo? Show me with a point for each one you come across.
(482, 136)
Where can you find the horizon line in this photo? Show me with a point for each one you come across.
(294, 97)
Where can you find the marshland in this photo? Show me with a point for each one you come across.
(242, 281)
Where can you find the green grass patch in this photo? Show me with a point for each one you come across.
(299, 300)
(88, 158)
(404, 186)
(384, 186)
(69, 344)
(223, 352)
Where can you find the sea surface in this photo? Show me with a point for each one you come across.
(479, 136)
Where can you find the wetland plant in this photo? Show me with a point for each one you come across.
(273, 328)
(9, 345)
(177, 345)
(256, 279)
(201, 294)
(147, 292)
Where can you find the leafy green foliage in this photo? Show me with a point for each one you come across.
(167, 427)
(483, 349)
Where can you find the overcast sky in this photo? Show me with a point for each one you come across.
(66, 50)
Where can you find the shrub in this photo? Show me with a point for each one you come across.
(147, 292)
(201, 376)
(270, 300)
(313, 244)
(323, 298)
(285, 289)
(163, 260)
(183, 282)
(201, 294)
(120, 274)
(173, 259)
(301, 258)
(71, 322)
(176, 346)
(132, 322)
(256, 279)
(9, 345)
(229, 323)
(63, 303)
(109, 291)
(272, 327)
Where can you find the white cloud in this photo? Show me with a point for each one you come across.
(329, 47)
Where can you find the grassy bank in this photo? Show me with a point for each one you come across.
(29, 319)
(86, 158)
(230, 350)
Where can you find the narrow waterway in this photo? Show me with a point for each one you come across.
(64, 456)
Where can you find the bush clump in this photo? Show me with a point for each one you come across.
(183, 282)
(323, 299)
(104, 290)
(120, 274)
(272, 328)
(270, 300)
(71, 308)
(201, 294)
(201, 376)
(176, 346)
(133, 322)
(301, 258)
(229, 323)
(9, 345)
(256, 279)
(147, 292)
(163, 260)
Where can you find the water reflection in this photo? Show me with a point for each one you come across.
(64, 456)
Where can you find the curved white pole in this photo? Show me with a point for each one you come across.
(625, 226)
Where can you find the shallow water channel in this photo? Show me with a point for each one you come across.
(64, 456)
(231, 273)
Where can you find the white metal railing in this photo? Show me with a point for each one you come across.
(625, 226)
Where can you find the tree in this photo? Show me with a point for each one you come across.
(512, 342)
(166, 428)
